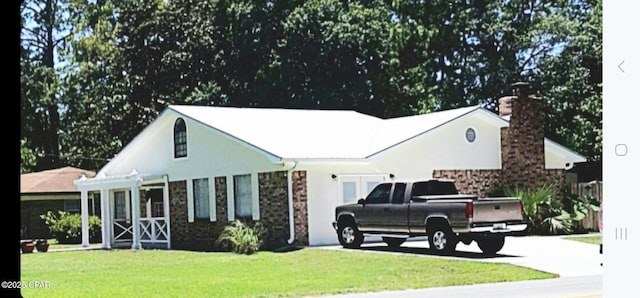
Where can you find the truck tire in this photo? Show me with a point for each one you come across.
(393, 242)
(442, 240)
(349, 236)
(491, 245)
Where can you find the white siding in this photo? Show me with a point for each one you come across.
(210, 153)
(323, 197)
(444, 148)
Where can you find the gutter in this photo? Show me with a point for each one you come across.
(292, 231)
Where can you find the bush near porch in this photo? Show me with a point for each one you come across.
(310, 271)
(66, 228)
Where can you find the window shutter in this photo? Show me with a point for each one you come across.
(255, 197)
(190, 204)
(212, 199)
(231, 211)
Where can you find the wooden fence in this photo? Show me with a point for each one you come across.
(585, 189)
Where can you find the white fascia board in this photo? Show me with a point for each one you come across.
(562, 150)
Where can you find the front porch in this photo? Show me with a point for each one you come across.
(135, 212)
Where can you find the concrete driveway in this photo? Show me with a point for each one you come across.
(552, 254)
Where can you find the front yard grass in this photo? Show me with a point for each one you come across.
(53, 244)
(587, 239)
(162, 273)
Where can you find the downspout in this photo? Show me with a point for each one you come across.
(165, 205)
(292, 230)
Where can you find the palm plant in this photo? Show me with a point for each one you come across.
(241, 238)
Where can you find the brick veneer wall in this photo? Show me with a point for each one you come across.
(200, 234)
(301, 218)
(476, 182)
(274, 208)
(274, 212)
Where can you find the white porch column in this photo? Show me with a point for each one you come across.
(106, 218)
(84, 211)
(135, 216)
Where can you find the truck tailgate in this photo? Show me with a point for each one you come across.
(496, 210)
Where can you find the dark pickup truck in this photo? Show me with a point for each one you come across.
(433, 208)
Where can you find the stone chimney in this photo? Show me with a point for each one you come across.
(522, 142)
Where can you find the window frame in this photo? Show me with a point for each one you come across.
(180, 143)
(196, 198)
(396, 188)
(248, 196)
(376, 200)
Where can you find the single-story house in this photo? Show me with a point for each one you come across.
(50, 190)
(196, 168)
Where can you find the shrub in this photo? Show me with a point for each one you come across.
(542, 211)
(67, 228)
(240, 238)
(546, 214)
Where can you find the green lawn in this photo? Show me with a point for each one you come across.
(162, 273)
(53, 244)
(587, 239)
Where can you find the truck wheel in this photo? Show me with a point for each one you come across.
(441, 239)
(349, 236)
(491, 245)
(393, 242)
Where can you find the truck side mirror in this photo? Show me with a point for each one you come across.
(361, 201)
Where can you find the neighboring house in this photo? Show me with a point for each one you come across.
(195, 168)
(51, 190)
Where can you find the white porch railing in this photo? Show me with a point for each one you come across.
(154, 230)
(124, 230)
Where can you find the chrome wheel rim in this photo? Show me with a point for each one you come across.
(348, 235)
(439, 240)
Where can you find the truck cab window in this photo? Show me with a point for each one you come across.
(433, 187)
(398, 193)
(380, 194)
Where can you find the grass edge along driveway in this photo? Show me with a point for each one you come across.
(595, 239)
(172, 273)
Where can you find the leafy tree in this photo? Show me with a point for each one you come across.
(43, 33)
(27, 157)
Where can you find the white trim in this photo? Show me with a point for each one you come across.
(127, 204)
(135, 210)
(148, 207)
(84, 210)
(231, 210)
(212, 198)
(255, 197)
(190, 211)
(173, 139)
(167, 218)
(106, 218)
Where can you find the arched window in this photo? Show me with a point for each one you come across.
(180, 138)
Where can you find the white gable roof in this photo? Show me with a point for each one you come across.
(316, 134)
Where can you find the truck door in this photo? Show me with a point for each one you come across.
(397, 214)
(374, 211)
